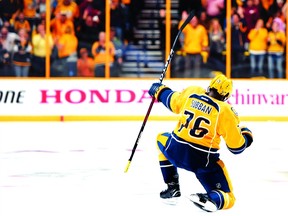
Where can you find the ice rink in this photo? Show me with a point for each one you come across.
(77, 169)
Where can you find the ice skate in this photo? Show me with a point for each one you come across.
(203, 202)
(171, 194)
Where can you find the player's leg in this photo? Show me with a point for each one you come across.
(168, 170)
(216, 181)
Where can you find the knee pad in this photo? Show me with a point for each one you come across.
(161, 144)
(229, 200)
(223, 200)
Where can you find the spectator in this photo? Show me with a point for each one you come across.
(238, 30)
(119, 51)
(5, 61)
(85, 64)
(216, 46)
(88, 8)
(69, 7)
(41, 20)
(41, 12)
(66, 64)
(257, 47)
(277, 15)
(67, 44)
(42, 6)
(9, 26)
(251, 14)
(276, 43)
(8, 8)
(204, 20)
(8, 39)
(214, 8)
(60, 24)
(240, 11)
(40, 50)
(281, 22)
(87, 32)
(21, 22)
(30, 11)
(267, 10)
(100, 51)
(22, 54)
(195, 42)
(118, 18)
(118, 44)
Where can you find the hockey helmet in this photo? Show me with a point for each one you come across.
(222, 85)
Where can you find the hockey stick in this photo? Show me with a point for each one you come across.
(160, 81)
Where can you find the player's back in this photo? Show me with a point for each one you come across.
(199, 117)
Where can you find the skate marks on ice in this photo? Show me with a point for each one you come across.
(78, 169)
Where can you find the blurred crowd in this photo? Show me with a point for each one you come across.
(78, 42)
(258, 38)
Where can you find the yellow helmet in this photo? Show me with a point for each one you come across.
(222, 85)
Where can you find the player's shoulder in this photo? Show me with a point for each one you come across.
(195, 89)
(227, 108)
(188, 91)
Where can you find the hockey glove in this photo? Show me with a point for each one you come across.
(248, 135)
(156, 89)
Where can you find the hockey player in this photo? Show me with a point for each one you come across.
(194, 143)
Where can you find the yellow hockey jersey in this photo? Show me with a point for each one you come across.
(203, 120)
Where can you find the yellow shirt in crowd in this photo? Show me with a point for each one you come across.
(273, 37)
(195, 39)
(100, 58)
(39, 45)
(69, 44)
(258, 39)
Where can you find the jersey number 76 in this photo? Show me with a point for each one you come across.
(196, 124)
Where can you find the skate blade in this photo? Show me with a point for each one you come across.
(171, 201)
(208, 206)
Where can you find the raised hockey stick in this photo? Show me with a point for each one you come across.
(171, 54)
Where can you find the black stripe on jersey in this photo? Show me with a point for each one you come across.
(206, 100)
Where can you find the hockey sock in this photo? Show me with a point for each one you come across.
(169, 172)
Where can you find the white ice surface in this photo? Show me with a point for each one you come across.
(77, 169)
